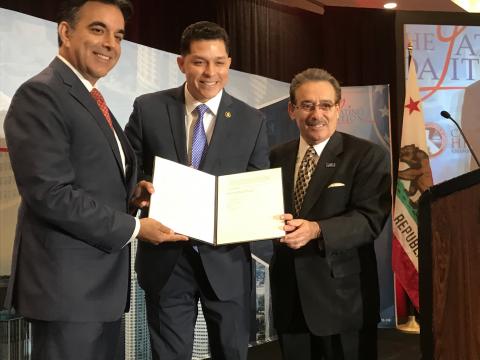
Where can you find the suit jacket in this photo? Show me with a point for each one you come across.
(238, 144)
(70, 262)
(349, 194)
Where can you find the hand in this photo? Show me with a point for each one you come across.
(141, 194)
(156, 233)
(299, 231)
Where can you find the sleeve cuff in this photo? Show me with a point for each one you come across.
(135, 232)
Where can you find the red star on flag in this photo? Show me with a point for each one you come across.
(413, 106)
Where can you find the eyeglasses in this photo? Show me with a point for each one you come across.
(307, 106)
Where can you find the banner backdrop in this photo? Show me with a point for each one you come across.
(447, 59)
(28, 44)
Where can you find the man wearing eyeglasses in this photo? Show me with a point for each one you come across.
(337, 197)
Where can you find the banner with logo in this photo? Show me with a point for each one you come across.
(447, 59)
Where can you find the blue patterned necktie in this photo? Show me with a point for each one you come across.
(199, 139)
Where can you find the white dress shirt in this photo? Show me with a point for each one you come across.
(302, 149)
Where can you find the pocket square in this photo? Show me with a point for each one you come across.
(337, 184)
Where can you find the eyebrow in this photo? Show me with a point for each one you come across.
(103, 25)
(321, 101)
(204, 58)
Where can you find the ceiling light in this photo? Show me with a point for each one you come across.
(390, 5)
(468, 5)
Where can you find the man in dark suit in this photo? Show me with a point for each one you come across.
(171, 124)
(75, 172)
(337, 196)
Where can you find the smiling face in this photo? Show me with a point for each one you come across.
(205, 68)
(318, 124)
(92, 43)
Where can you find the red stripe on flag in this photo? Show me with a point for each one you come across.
(405, 272)
(2, 149)
(401, 299)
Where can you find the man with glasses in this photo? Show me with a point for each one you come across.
(337, 197)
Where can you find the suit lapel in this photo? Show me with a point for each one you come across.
(324, 171)
(176, 114)
(78, 91)
(89, 103)
(288, 160)
(220, 131)
(130, 160)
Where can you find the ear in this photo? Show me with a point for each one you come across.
(291, 111)
(229, 62)
(64, 32)
(337, 110)
(181, 63)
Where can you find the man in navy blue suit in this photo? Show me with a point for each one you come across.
(176, 276)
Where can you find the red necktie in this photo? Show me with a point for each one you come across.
(102, 105)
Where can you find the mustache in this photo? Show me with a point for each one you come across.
(314, 121)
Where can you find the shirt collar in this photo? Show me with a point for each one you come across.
(303, 146)
(213, 104)
(84, 81)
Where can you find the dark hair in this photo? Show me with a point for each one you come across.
(314, 74)
(202, 30)
(70, 8)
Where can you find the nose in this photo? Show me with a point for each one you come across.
(109, 40)
(317, 113)
(209, 69)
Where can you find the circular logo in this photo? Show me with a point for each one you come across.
(436, 139)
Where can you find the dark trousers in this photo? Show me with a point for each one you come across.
(297, 342)
(58, 340)
(355, 345)
(172, 315)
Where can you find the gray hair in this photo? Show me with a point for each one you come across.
(314, 74)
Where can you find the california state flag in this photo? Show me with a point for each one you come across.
(414, 177)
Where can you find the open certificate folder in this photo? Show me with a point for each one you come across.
(218, 210)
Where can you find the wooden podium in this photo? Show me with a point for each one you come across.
(449, 269)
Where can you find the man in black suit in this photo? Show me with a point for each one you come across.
(176, 276)
(337, 196)
(76, 173)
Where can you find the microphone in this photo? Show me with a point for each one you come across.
(447, 115)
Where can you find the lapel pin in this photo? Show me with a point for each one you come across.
(330, 165)
(228, 114)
